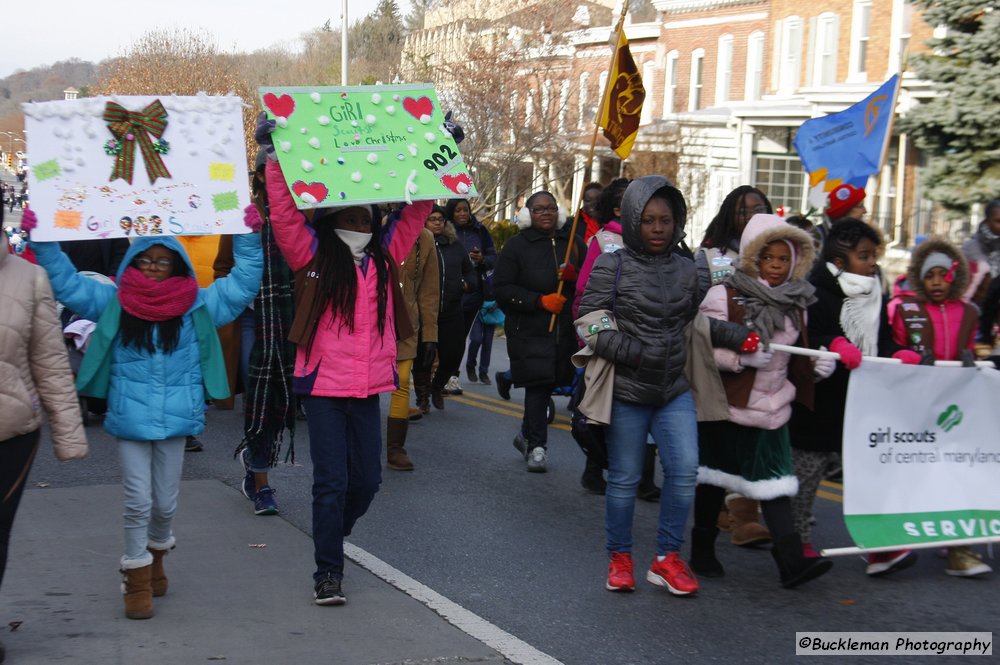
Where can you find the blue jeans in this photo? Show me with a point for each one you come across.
(151, 478)
(674, 427)
(345, 443)
(480, 338)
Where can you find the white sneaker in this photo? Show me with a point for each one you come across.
(536, 460)
(453, 387)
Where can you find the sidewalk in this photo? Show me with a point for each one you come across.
(228, 602)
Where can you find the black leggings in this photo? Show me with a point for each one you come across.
(451, 346)
(16, 456)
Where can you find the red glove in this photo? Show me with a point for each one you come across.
(908, 357)
(751, 343)
(552, 302)
(251, 217)
(29, 220)
(567, 272)
(850, 355)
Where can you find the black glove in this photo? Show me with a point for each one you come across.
(262, 134)
(427, 353)
(453, 128)
(967, 357)
(927, 358)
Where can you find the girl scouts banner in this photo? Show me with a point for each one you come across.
(365, 144)
(113, 167)
(921, 455)
(847, 147)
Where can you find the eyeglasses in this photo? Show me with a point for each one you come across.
(146, 263)
(756, 210)
(541, 210)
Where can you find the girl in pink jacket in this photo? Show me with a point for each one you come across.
(750, 452)
(345, 329)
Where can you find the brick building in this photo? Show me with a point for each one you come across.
(728, 82)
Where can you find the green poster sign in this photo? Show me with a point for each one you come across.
(365, 144)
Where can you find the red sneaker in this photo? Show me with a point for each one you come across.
(620, 572)
(809, 552)
(674, 574)
(883, 563)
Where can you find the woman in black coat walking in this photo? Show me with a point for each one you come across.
(525, 282)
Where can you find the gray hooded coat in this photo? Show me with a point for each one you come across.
(653, 298)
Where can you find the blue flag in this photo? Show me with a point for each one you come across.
(847, 147)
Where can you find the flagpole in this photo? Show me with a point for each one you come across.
(888, 131)
(593, 145)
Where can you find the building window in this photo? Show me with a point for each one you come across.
(824, 65)
(581, 110)
(724, 70)
(791, 55)
(529, 108)
(755, 66)
(563, 104)
(782, 178)
(860, 31)
(670, 83)
(697, 79)
(647, 82)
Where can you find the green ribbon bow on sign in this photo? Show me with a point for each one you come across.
(131, 127)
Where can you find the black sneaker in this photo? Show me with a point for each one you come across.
(484, 378)
(328, 592)
(192, 445)
(503, 385)
(470, 371)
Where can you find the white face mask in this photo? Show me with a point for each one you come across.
(355, 241)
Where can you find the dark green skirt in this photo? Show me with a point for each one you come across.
(756, 463)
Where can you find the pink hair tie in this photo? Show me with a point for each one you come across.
(950, 275)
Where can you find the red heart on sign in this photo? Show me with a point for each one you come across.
(453, 183)
(418, 107)
(316, 190)
(281, 107)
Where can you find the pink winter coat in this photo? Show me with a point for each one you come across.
(611, 235)
(344, 363)
(770, 403)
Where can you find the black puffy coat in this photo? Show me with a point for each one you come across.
(528, 268)
(653, 297)
(456, 270)
(822, 429)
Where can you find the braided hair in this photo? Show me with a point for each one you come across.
(722, 229)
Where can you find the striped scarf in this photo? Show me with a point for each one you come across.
(269, 402)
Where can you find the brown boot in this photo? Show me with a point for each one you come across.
(415, 415)
(746, 527)
(158, 578)
(138, 590)
(422, 388)
(395, 437)
(437, 398)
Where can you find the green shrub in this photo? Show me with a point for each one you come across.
(501, 232)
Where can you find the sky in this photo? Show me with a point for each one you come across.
(42, 32)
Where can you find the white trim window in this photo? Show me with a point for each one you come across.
(755, 66)
(697, 79)
(670, 83)
(648, 69)
(581, 101)
(861, 20)
(824, 60)
(724, 70)
(790, 73)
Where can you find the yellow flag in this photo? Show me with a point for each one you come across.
(622, 101)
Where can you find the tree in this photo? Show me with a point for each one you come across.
(376, 43)
(181, 62)
(959, 128)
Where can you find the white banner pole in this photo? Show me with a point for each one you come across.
(815, 353)
(847, 551)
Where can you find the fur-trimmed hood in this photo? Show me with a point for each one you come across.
(762, 230)
(920, 254)
(448, 234)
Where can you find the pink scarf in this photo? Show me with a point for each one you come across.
(150, 300)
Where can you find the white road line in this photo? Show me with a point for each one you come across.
(472, 624)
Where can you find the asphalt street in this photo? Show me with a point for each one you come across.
(525, 551)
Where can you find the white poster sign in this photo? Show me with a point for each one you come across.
(114, 167)
(921, 454)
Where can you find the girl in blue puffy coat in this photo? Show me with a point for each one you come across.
(155, 356)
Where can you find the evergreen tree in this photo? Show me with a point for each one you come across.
(960, 128)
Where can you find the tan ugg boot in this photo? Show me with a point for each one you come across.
(158, 578)
(137, 588)
(746, 527)
(395, 437)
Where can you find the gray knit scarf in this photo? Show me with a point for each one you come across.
(767, 306)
